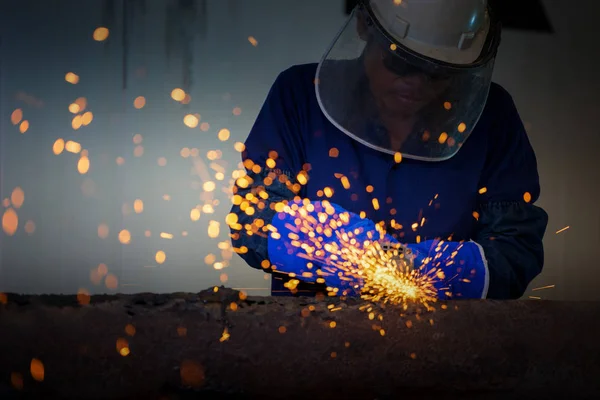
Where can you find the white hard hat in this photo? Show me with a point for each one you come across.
(452, 31)
(450, 43)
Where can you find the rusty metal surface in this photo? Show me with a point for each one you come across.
(474, 349)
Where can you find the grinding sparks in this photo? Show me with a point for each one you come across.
(388, 277)
(543, 288)
(562, 230)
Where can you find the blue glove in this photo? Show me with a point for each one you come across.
(459, 269)
(317, 240)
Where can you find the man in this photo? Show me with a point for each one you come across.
(401, 131)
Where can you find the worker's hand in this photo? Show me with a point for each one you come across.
(306, 245)
(458, 269)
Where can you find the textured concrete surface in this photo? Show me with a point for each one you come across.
(474, 349)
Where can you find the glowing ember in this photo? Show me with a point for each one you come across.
(72, 78)
(72, 147)
(37, 370)
(178, 94)
(102, 231)
(239, 147)
(138, 206)
(191, 121)
(224, 135)
(24, 126)
(111, 282)
(130, 330)
(83, 297)
(192, 374)
(17, 197)
(443, 137)
(100, 34)
(139, 102)
(58, 147)
(213, 229)
(83, 166)
(125, 236)
(195, 214)
(225, 336)
(87, 118)
(123, 347)
(160, 257)
(16, 380)
(543, 288)
(10, 221)
(16, 116)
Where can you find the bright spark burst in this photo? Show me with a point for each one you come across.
(386, 275)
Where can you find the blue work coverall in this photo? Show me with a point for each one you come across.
(484, 193)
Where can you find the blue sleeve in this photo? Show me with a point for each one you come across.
(276, 135)
(510, 227)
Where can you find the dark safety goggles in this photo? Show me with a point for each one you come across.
(401, 68)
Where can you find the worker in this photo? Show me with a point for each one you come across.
(399, 132)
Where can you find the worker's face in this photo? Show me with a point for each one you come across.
(403, 95)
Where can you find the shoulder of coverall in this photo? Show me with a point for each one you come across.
(298, 82)
(498, 98)
(291, 74)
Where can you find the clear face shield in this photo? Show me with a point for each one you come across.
(395, 100)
